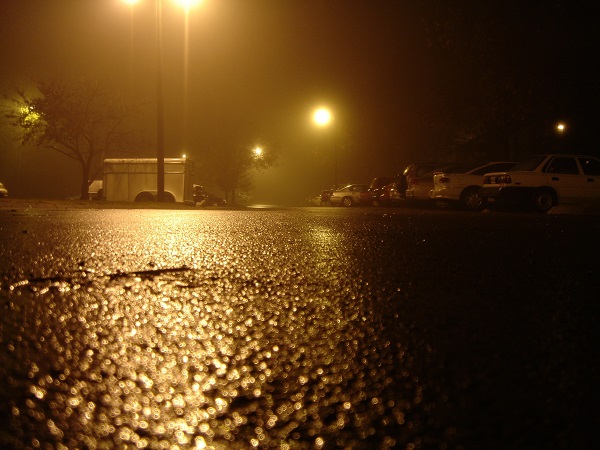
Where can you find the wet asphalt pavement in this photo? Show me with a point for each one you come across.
(303, 328)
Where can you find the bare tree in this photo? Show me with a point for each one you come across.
(81, 120)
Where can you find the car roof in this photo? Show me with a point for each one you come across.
(478, 165)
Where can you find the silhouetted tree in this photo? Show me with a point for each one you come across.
(505, 70)
(232, 168)
(81, 120)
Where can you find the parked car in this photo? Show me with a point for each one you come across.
(205, 198)
(420, 169)
(352, 194)
(462, 186)
(397, 191)
(321, 199)
(325, 195)
(419, 186)
(377, 187)
(315, 200)
(380, 188)
(3, 191)
(544, 181)
(95, 191)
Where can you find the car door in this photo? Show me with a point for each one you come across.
(562, 173)
(591, 175)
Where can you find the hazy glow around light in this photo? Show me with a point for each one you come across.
(322, 117)
(188, 4)
(29, 115)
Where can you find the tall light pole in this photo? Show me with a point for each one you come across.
(323, 117)
(160, 119)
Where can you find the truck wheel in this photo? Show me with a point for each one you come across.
(169, 198)
(144, 197)
(543, 200)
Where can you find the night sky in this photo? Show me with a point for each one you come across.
(402, 78)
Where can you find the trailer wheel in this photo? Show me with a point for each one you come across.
(169, 198)
(144, 197)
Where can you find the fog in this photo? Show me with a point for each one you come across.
(237, 73)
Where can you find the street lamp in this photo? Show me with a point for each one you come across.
(323, 117)
(160, 120)
(160, 117)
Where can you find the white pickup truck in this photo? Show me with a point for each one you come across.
(543, 181)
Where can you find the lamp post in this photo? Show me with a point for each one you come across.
(160, 120)
(323, 117)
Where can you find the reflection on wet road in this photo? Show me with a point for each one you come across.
(236, 329)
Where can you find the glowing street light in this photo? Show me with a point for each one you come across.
(322, 118)
(258, 152)
(561, 127)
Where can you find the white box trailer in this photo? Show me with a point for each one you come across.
(135, 180)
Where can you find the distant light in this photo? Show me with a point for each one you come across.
(183, 156)
(322, 117)
(258, 151)
(561, 127)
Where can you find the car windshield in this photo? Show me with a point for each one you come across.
(529, 164)
(379, 182)
(459, 168)
(468, 167)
